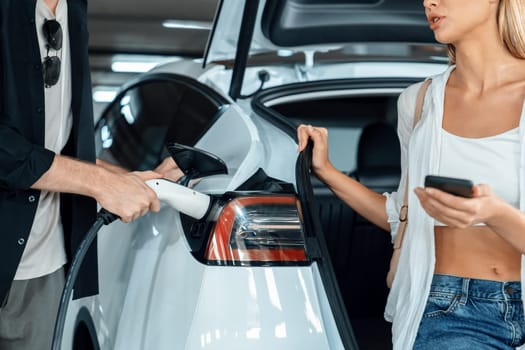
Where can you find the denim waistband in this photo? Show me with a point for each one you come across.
(478, 288)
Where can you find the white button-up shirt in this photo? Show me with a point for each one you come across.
(420, 154)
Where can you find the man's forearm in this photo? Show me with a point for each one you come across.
(111, 167)
(72, 176)
(125, 194)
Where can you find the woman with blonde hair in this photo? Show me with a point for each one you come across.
(459, 280)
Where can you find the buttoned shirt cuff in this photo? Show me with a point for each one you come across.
(38, 162)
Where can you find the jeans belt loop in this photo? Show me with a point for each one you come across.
(464, 291)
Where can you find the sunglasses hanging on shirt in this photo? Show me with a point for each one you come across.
(53, 35)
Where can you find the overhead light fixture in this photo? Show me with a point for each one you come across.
(132, 67)
(138, 63)
(104, 94)
(184, 24)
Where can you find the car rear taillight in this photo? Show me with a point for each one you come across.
(258, 230)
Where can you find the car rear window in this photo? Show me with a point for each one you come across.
(344, 118)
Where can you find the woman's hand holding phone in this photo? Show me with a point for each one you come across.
(466, 207)
(452, 185)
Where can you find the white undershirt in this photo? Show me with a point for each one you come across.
(492, 160)
(44, 252)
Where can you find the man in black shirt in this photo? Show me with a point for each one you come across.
(49, 178)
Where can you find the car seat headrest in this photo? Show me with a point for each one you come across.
(379, 158)
(378, 147)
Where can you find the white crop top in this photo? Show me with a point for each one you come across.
(492, 160)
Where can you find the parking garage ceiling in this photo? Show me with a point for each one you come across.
(145, 29)
(136, 26)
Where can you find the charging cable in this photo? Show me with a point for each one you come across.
(180, 198)
(104, 217)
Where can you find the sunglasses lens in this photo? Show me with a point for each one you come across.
(53, 33)
(51, 70)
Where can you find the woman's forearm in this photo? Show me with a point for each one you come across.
(369, 204)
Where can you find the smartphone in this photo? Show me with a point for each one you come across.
(452, 185)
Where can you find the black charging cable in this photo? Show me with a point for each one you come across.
(104, 217)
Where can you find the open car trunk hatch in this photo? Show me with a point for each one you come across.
(319, 25)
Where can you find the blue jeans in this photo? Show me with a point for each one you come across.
(465, 313)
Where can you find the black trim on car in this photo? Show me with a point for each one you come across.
(243, 47)
(316, 244)
(282, 122)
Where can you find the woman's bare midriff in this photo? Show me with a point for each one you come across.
(476, 252)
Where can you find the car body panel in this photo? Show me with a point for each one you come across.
(156, 294)
(145, 304)
(319, 25)
(218, 76)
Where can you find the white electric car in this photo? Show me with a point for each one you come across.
(276, 261)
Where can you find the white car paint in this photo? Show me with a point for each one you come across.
(155, 295)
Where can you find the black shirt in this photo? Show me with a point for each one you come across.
(23, 158)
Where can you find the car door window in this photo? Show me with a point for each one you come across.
(135, 127)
